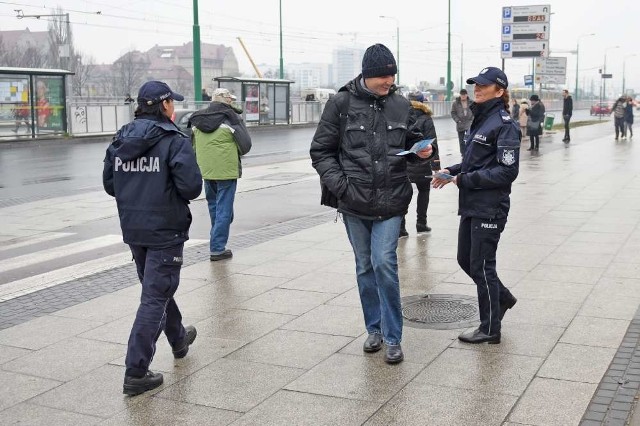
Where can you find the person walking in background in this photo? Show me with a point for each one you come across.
(151, 170)
(515, 110)
(220, 138)
(567, 112)
(628, 117)
(22, 114)
(420, 172)
(523, 117)
(489, 166)
(618, 116)
(462, 115)
(354, 150)
(534, 122)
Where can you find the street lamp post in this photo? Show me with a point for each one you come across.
(281, 59)
(575, 94)
(397, 43)
(67, 37)
(624, 65)
(604, 71)
(449, 55)
(197, 63)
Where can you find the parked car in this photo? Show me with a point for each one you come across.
(181, 118)
(601, 108)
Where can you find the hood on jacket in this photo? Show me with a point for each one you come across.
(422, 107)
(355, 87)
(209, 120)
(134, 139)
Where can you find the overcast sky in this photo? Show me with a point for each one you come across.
(311, 29)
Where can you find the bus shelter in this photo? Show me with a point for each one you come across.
(264, 100)
(32, 102)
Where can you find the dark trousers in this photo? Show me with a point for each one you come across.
(567, 119)
(477, 246)
(424, 188)
(619, 125)
(159, 273)
(535, 141)
(461, 141)
(629, 128)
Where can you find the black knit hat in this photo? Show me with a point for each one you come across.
(378, 61)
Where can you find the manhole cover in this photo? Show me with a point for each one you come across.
(440, 311)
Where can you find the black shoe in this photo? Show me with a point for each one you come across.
(394, 354)
(529, 149)
(373, 343)
(507, 304)
(403, 233)
(180, 351)
(227, 254)
(476, 336)
(422, 227)
(137, 385)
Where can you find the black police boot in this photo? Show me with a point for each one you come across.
(137, 385)
(476, 336)
(403, 233)
(422, 227)
(181, 349)
(373, 343)
(506, 304)
(394, 354)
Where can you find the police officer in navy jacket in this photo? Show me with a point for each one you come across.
(489, 166)
(151, 170)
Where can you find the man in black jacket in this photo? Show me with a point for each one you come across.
(355, 151)
(151, 170)
(567, 112)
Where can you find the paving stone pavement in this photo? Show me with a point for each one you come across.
(280, 327)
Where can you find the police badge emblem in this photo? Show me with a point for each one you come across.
(508, 157)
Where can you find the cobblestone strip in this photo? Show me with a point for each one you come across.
(46, 301)
(614, 398)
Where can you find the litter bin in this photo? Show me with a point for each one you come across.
(548, 121)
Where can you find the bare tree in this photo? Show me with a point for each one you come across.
(20, 56)
(129, 71)
(61, 50)
(82, 66)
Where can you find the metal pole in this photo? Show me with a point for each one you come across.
(197, 65)
(398, 47)
(449, 54)
(281, 60)
(461, 65)
(68, 42)
(624, 64)
(575, 93)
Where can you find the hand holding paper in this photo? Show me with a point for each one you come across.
(417, 147)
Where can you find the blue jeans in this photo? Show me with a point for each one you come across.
(220, 196)
(374, 245)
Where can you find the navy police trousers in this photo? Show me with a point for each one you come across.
(477, 246)
(159, 273)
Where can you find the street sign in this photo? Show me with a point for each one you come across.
(525, 31)
(551, 66)
(528, 80)
(550, 79)
(606, 75)
(524, 49)
(528, 14)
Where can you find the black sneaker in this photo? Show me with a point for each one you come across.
(403, 233)
(137, 385)
(422, 227)
(227, 254)
(180, 351)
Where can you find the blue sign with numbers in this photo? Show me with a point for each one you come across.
(528, 80)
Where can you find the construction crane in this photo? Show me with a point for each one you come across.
(250, 59)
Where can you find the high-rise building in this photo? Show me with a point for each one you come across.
(347, 63)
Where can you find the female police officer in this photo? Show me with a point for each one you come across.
(489, 166)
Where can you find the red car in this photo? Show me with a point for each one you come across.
(601, 108)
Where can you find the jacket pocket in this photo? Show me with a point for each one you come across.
(396, 134)
(355, 134)
(359, 194)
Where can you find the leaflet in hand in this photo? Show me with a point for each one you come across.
(417, 147)
(441, 175)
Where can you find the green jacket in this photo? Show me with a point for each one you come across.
(220, 138)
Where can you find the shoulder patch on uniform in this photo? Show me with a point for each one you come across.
(505, 118)
(508, 157)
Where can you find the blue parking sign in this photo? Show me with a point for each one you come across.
(506, 29)
(506, 47)
(506, 12)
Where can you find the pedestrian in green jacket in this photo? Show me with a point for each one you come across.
(220, 139)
